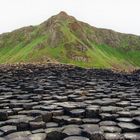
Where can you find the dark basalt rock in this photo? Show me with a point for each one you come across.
(72, 131)
(113, 136)
(110, 109)
(136, 120)
(73, 121)
(51, 125)
(57, 102)
(76, 138)
(8, 129)
(132, 136)
(125, 114)
(3, 115)
(55, 134)
(57, 112)
(108, 123)
(127, 120)
(110, 129)
(123, 103)
(1, 133)
(98, 135)
(38, 136)
(92, 131)
(108, 116)
(92, 111)
(37, 125)
(38, 131)
(91, 121)
(61, 120)
(23, 126)
(128, 127)
(17, 135)
(77, 112)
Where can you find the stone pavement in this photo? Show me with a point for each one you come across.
(58, 102)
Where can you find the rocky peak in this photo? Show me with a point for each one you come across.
(64, 16)
(63, 13)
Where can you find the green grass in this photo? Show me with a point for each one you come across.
(18, 53)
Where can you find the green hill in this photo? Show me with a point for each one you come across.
(64, 39)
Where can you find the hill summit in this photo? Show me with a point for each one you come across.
(64, 39)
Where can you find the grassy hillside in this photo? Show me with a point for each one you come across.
(64, 39)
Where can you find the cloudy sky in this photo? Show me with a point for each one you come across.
(119, 15)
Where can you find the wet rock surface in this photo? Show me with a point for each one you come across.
(58, 102)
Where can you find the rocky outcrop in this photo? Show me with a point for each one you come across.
(61, 102)
(79, 58)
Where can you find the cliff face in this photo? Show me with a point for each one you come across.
(64, 39)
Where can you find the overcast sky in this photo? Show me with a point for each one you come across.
(119, 15)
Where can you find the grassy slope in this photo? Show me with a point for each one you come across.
(100, 56)
(18, 53)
